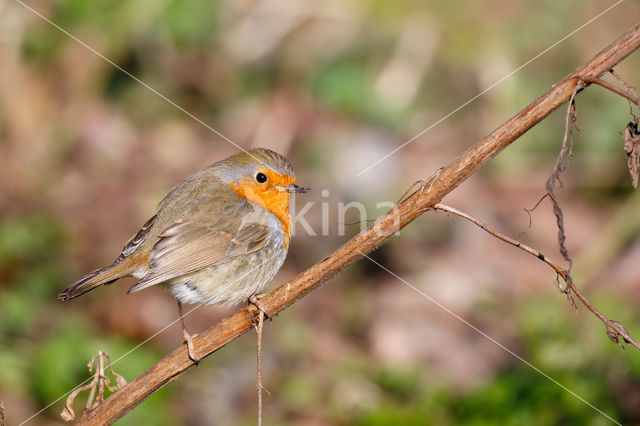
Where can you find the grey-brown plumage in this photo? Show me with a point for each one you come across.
(219, 236)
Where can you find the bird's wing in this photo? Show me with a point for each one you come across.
(184, 248)
(137, 240)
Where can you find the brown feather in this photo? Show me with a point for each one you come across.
(184, 248)
(121, 267)
(199, 223)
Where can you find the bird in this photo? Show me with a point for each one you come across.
(218, 237)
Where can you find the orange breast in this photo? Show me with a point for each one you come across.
(270, 197)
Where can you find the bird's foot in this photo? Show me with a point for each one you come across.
(188, 340)
(255, 306)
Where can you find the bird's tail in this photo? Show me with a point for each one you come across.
(102, 276)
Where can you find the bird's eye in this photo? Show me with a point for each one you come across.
(261, 177)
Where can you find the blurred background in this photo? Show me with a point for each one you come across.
(86, 153)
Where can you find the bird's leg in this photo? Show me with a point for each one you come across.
(261, 316)
(255, 301)
(187, 337)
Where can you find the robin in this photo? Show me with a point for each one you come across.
(220, 236)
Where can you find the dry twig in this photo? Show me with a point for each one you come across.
(445, 181)
(259, 364)
(630, 135)
(564, 157)
(615, 330)
(625, 94)
(630, 90)
(97, 384)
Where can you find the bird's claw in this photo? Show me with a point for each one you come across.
(254, 302)
(189, 341)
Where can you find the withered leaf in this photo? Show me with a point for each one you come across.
(98, 384)
(631, 137)
(67, 414)
(615, 331)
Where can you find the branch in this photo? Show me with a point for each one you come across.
(443, 182)
(627, 95)
(615, 330)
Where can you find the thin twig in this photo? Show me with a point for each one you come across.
(561, 272)
(629, 96)
(259, 363)
(446, 180)
(630, 89)
(564, 157)
(500, 236)
(421, 183)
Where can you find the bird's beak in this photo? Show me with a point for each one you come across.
(293, 188)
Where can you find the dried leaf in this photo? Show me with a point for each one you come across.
(67, 414)
(2, 416)
(613, 335)
(631, 137)
(120, 381)
(96, 386)
(615, 331)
